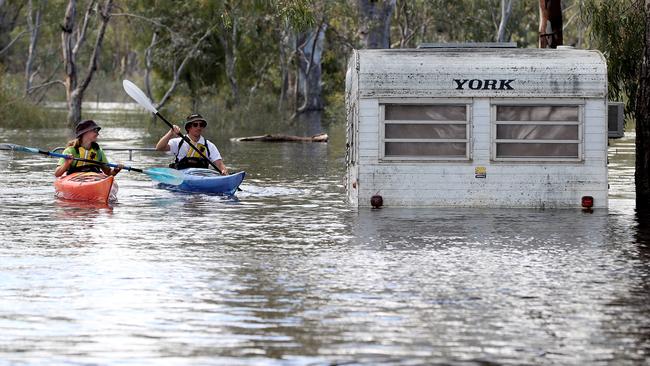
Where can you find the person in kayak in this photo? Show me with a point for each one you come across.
(185, 155)
(85, 147)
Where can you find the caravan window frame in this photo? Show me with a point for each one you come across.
(578, 103)
(467, 103)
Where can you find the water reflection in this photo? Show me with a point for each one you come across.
(71, 209)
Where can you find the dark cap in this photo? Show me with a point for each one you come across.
(85, 126)
(194, 117)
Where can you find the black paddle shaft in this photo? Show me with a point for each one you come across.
(190, 143)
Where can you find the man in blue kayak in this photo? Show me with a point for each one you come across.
(185, 155)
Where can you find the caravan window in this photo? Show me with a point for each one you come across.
(425, 132)
(537, 132)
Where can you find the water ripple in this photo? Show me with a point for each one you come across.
(285, 273)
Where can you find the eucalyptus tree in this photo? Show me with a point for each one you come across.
(229, 20)
(616, 29)
(413, 19)
(171, 35)
(73, 38)
(33, 26)
(375, 22)
(506, 13)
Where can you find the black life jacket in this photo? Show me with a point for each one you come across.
(192, 161)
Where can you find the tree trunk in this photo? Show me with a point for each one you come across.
(33, 23)
(506, 12)
(228, 40)
(69, 61)
(74, 107)
(550, 23)
(642, 114)
(310, 53)
(148, 64)
(285, 52)
(73, 36)
(403, 22)
(375, 22)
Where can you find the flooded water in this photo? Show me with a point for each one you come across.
(287, 274)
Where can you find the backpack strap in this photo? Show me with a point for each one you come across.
(179, 149)
(207, 146)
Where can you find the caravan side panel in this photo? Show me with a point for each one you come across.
(482, 82)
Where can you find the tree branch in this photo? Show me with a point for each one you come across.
(147, 64)
(105, 14)
(181, 67)
(81, 33)
(12, 42)
(152, 21)
(34, 88)
(506, 12)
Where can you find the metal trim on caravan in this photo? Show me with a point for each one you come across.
(477, 127)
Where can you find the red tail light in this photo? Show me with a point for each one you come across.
(587, 202)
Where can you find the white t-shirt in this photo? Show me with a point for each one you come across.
(173, 148)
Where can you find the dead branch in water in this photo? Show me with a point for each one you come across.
(322, 137)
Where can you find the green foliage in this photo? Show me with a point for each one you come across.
(17, 112)
(617, 30)
(261, 35)
(296, 14)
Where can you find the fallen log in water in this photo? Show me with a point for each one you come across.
(322, 137)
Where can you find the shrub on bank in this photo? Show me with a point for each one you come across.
(16, 110)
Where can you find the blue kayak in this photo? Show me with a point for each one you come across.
(207, 181)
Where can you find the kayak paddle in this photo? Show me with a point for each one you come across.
(164, 175)
(138, 95)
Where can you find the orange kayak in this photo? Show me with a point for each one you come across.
(86, 186)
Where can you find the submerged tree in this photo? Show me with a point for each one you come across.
(309, 49)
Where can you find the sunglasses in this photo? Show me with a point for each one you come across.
(197, 124)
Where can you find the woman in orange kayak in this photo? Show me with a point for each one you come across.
(85, 147)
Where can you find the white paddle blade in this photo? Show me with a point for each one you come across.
(138, 95)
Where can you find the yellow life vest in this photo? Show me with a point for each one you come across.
(192, 159)
(94, 153)
(89, 154)
(191, 153)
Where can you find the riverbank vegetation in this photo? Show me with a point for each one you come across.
(16, 112)
(233, 60)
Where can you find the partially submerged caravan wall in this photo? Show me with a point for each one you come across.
(477, 127)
